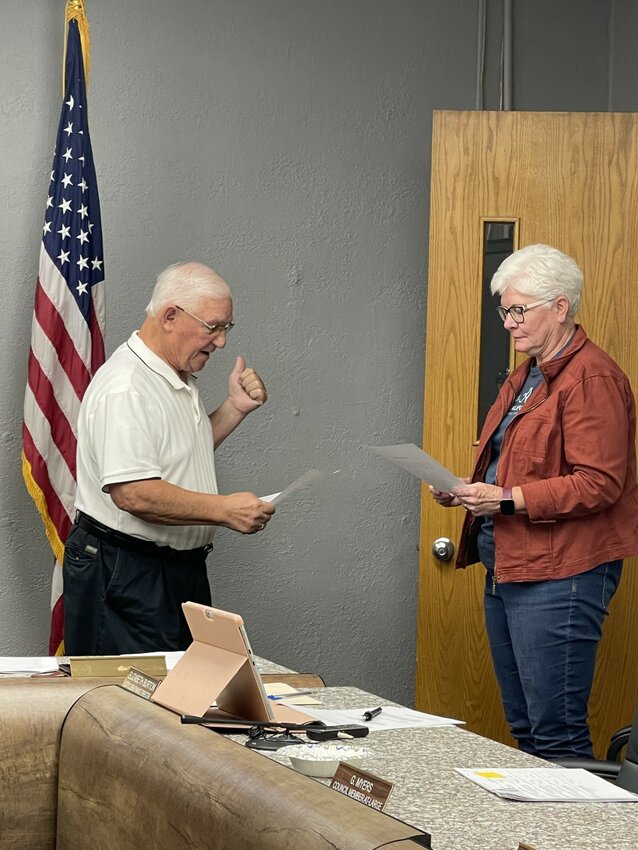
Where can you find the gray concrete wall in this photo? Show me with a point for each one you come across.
(623, 28)
(286, 143)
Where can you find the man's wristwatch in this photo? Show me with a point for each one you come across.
(507, 503)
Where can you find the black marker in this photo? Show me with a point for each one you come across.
(375, 712)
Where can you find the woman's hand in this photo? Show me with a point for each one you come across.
(479, 499)
(446, 500)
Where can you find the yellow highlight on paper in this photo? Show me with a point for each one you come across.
(489, 774)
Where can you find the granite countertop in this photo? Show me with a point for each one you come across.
(429, 795)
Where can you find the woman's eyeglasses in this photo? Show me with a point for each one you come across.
(517, 311)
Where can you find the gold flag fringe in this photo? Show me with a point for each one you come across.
(40, 502)
(75, 12)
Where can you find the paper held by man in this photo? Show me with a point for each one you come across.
(419, 463)
(306, 482)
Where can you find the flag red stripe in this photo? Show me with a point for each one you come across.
(44, 394)
(53, 326)
(97, 346)
(55, 508)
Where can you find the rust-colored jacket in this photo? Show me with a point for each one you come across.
(571, 449)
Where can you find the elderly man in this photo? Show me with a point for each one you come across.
(147, 501)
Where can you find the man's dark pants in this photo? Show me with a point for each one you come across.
(119, 601)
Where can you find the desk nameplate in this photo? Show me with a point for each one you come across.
(140, 683)
(117, 665)
(362, 786)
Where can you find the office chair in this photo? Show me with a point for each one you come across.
(623, 773)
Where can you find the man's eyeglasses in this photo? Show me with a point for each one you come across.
(517, 311)
(213, 330)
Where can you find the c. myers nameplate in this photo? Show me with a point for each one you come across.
(362, 786)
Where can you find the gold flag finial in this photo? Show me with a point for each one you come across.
(75, 12)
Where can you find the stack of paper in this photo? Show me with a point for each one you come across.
(390, 717)
(26, 666)
(545, 785)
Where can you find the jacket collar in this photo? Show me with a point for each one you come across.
(549, 370)
(552, 367)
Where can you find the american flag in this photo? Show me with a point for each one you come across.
(67, 335)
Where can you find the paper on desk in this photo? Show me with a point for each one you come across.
(171, 658)
(419, 463)
(392, 717)
(547, 785)
(278, 689)
(307, 481)
(27, 665)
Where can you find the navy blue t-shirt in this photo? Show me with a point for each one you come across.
(485, 541)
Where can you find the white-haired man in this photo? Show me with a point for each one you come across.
(147, 501)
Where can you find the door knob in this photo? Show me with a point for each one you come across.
(443, 549)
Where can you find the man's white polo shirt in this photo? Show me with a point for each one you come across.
(139, 420)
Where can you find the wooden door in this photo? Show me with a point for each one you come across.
(564, 179)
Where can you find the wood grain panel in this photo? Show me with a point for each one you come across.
(32, 713)
(132, 776)
(572, 180)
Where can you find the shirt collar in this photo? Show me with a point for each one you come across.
(155, 362)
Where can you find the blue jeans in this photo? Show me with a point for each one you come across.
(543, 636)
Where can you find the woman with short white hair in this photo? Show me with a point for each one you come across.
(551, 504)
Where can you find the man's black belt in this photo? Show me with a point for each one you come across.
(136, 544)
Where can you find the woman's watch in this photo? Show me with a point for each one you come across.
(508, 508)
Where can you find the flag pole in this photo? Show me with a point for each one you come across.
(75, 12)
